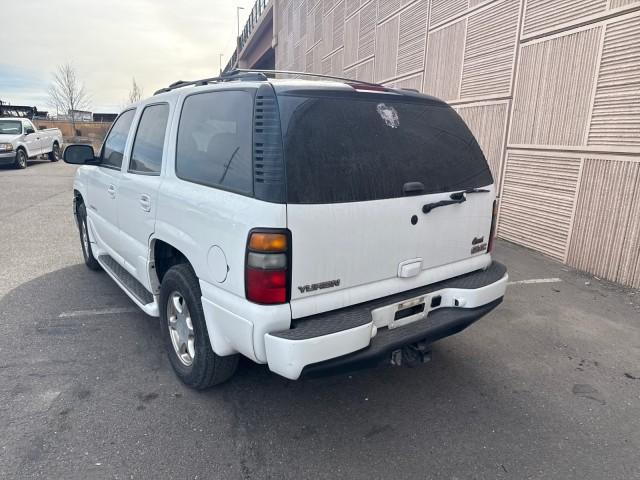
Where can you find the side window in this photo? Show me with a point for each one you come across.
(113, 148)
(146, 156)
(214, 140)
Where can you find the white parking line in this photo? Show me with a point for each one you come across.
(103, 311)
(535, 280)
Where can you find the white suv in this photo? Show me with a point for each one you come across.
(315, 226)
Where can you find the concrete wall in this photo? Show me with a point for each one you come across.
(550, 88)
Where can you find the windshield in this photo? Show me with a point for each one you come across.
(358, 147)
(11, 127)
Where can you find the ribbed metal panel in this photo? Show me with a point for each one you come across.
(414, 82)
(616, 110)
(351, 30)
(489, 50)
(387, 49)
(302, 18)
(327, 5)
(538, 200)
(544, 14)
(444, 61)
(487, 122)
(553, 92)
(621, 3)
(333, 28)
(351, 7)
(442, 10)
(363, 71)
(367, 34)
(606, 231)
(412, 38)
(388, 7)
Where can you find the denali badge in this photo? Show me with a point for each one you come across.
(478, 248)
(317, 286)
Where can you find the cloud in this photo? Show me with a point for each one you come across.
(155, 41)
(22, 86)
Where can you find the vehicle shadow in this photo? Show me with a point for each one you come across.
(33, 162)
(111, 368)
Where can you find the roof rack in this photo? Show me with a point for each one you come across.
(225, 77)
(249, 75)
(304, 74)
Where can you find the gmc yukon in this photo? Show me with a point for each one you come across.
(315, 226)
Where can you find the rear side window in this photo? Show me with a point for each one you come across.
(214, 140)
(113, 149)
(146, 156)
(359, 147)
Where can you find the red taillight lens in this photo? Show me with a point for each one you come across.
(266, 286)
(492, 233)
(267, 276)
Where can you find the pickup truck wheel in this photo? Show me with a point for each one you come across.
(54, 154)
(185, 332)
(89, 260)
(21, 159)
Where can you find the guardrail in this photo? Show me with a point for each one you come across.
(252, 22)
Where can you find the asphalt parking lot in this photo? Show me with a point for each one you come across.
(545, 387)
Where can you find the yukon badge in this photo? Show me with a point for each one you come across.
(319, 286)
(479, 245)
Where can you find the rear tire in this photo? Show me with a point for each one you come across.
(21, 159)
(89, 260)
(54, 154)
(185, 333)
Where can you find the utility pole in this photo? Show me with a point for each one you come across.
(238, 38)
(220, 61)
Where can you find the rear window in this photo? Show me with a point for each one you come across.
(359, 147)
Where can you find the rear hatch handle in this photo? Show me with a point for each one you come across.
(457, 197)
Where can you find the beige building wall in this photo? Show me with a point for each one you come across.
(551, 89)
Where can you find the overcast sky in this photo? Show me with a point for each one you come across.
(111, 41)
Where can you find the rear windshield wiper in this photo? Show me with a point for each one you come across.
(457, 197)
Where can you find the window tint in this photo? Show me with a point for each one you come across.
(360, 147)
(113, 148)
(146, 156)
(214, 140)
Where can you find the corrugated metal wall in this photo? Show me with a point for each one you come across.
(550, 88)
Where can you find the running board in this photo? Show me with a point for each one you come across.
(131, 286)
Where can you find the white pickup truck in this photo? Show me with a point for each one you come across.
(314, 226)
(20, 141)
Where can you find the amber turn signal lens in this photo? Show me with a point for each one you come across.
(268, 242)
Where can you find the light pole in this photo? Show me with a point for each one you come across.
(238, 38)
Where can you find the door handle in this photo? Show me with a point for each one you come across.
(111, 190)
(145, 202)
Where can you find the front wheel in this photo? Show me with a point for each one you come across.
(89, 260)
(185, 332)
(54, 154)
(21, 159)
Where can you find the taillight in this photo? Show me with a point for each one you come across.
(492, 233)
(267, 275)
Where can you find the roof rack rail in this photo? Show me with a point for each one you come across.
(248, 74)
(304, 74)
(225, 77)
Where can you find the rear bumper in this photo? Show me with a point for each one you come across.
(7, 158)
(365, 334)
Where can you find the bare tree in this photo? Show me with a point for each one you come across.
(67, 93)
(135, 94)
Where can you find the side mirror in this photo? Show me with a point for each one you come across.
(80, 155)
(28, 130)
